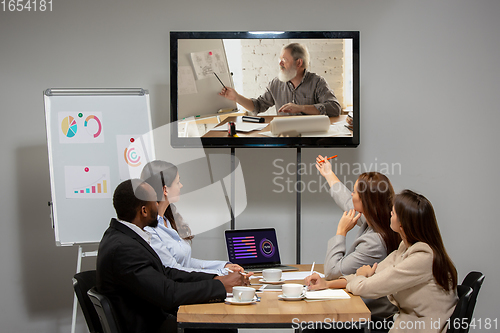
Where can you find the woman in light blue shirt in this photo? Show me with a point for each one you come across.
(171, 239)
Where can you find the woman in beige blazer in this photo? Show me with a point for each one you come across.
(419, 277)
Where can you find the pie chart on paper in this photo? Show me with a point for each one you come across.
(69, 126)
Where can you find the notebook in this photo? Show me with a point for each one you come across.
(254, 249)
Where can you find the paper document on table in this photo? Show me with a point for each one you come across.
(327, 294)
(242, 127)
(300, 275)
(339, 129)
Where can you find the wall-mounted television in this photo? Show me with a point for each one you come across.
(205, 65)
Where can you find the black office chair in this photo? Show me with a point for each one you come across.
(475, 281)
(104, 309)
(82, 282)
(456, 320)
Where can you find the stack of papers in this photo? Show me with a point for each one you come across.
(327, 294)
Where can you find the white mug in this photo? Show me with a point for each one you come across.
(243, 294)
(292, 289)
(271, 274)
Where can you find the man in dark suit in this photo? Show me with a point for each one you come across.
(145, 294)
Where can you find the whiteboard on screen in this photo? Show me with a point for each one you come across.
(198, 88)
(96, 138)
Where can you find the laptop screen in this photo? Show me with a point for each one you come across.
(252, 246)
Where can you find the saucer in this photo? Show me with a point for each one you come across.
(291, 298)
(231, 300)
(272, 282)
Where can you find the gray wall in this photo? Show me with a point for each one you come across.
(429, 86)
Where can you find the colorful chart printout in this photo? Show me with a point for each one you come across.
(87, 182)
(131, 156)
(69, 127)
(81, 127)
(98, 131)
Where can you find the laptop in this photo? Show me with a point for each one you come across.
(254, 249)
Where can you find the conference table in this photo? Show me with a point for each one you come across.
(267, 120)
(271, 312)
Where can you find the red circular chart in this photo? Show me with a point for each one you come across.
(99, 125)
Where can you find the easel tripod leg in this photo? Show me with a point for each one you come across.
(75, 300)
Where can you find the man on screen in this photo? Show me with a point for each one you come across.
(295, 91)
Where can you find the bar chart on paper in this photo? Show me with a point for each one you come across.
(84, 182)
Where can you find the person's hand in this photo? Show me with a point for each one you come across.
(315, 282)
(366, 270)
(229, 93)
(234, 279)
(290, 108)
(347, 222)
(234, 267)
(324, 167)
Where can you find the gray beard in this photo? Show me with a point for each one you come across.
(287, 75)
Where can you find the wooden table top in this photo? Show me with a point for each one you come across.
(273, 310)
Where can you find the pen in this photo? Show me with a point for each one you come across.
(219, 80)
(312, 268)
(329, 158)
(231, 271)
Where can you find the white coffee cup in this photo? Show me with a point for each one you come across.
(243, 294)
(272, 274)
(292, 289)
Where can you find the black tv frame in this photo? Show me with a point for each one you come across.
(260, 142)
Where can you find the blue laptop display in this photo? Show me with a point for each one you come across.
(254, 249)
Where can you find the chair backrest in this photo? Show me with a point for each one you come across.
(475, 281)
(104, 310)
(82, 282)
(456, 324)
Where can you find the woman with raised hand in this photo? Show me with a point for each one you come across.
(419, 277)
(171, 239)
(372, 198)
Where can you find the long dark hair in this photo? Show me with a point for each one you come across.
(159, 174)
(419, 223)
(376, 194)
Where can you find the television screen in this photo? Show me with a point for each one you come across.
(264, 89)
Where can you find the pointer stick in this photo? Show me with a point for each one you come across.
(219, 80)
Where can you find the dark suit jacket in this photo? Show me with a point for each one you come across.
(143, 292)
